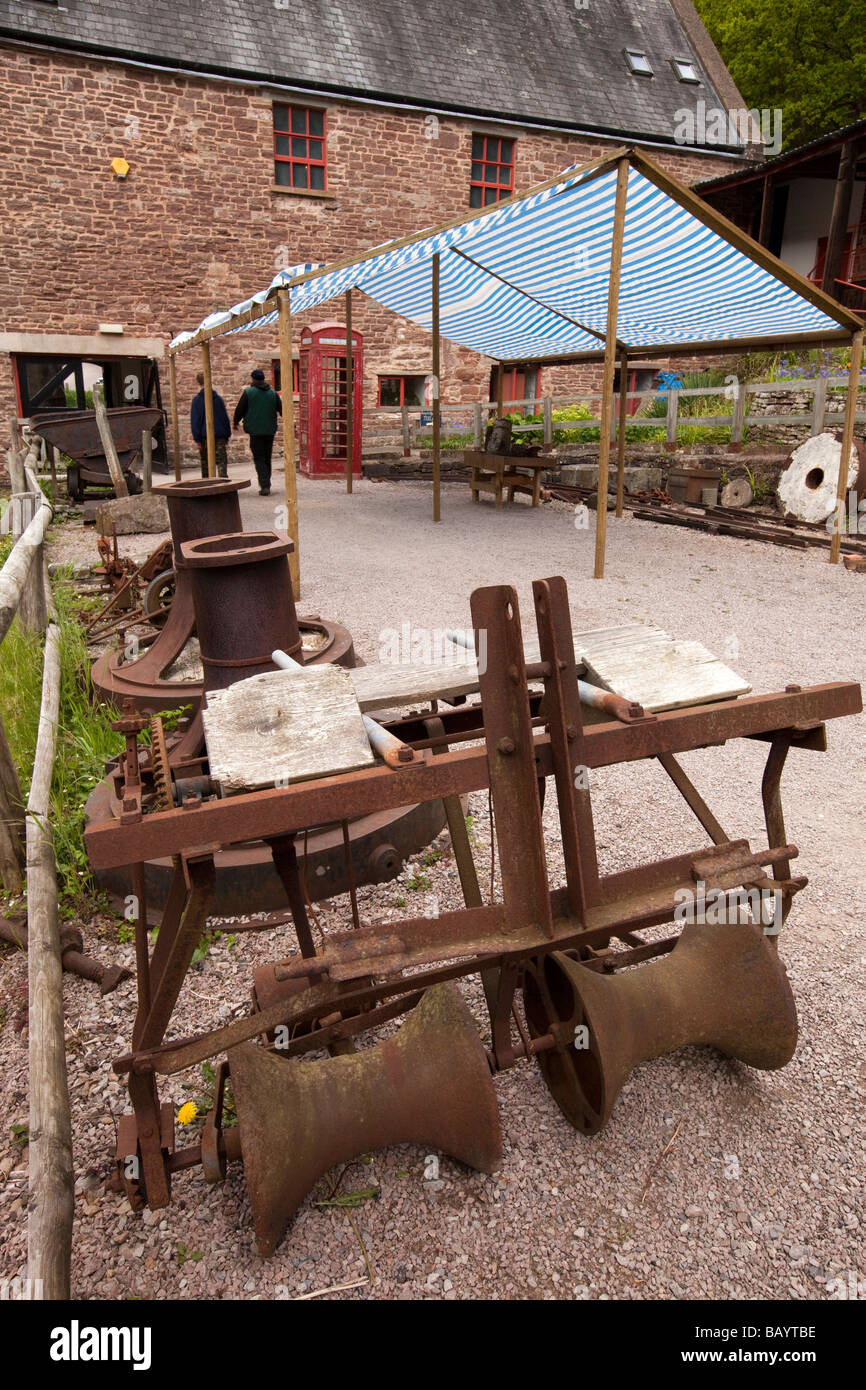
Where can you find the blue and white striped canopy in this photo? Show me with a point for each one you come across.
(529, 279)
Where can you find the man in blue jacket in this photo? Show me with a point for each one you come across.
(259, 407)
(221, 428)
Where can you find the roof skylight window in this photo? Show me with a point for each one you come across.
(686, 70)
(638, 62)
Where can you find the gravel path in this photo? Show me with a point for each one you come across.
(759, 1193)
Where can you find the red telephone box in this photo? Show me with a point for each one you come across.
(322, 407)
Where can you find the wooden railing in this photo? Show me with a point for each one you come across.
(403, 424)
(27, 857)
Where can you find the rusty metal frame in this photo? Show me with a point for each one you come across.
(357, 979)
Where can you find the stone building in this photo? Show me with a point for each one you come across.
(160, 161)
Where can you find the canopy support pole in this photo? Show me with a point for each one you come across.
(620, 443)
(847, 444)
(350, 395)
(609, 364)
(500, 391)
(208, 410)
(288, 417)
(175, 426)
(435, 393)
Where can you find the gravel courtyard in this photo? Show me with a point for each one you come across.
(711, 1181)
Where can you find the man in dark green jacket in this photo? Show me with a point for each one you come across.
(259, 407)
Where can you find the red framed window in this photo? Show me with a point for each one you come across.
(402, 390)
(492, 170)
(299, 147)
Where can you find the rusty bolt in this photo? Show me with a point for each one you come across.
(513, 674)
(570, 732)
(793, 689)
(561, 664)
(635, 711)
(506, 745)
(405, 755)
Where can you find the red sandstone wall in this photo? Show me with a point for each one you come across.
(196, 225)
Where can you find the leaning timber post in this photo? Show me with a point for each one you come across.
(350, 395)
(208, 409)
(175, 423)
(620, 443)
(49, 1224)
(500, 391)
(609, 363)
(847, 444)
(108, 446)
(288, 402)
(437, 515)
(146, 460)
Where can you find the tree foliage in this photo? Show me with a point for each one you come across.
(806, 57)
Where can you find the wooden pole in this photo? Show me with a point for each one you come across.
(839, 217)
(32, 611)
(847, 443)
(288, 402)
(175, 424)
(208, 410)
(620, 443)
(437, 515)
(766, 222)
(14, 574)
(11, 820)
(350, 395)
(609, 363)
(108, 446)
(146, 460)
(50, 1206)
(500, 391)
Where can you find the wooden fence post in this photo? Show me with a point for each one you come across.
(477, 426)
(547, 412)
(819, 405)
(404, 426)
(50, 1181)
(673, 414)
(11, 820)
(32, 611)
(738, 414)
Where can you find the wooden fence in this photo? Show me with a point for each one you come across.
(27, 855)
(403, 425)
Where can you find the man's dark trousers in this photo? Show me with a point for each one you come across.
(262, 446)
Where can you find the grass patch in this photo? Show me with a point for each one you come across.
(85, 738)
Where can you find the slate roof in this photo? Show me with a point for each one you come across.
(535, 60)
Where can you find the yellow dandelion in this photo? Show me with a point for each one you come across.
(187, 1113)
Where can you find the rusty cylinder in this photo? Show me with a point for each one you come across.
(242, 596)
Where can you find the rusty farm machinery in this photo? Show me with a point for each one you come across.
(570, 976)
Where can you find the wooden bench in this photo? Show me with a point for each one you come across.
(497, 472)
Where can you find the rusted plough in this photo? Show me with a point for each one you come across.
(586, 1018)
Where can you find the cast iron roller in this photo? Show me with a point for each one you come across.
(724, 986)
(430, 1084)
